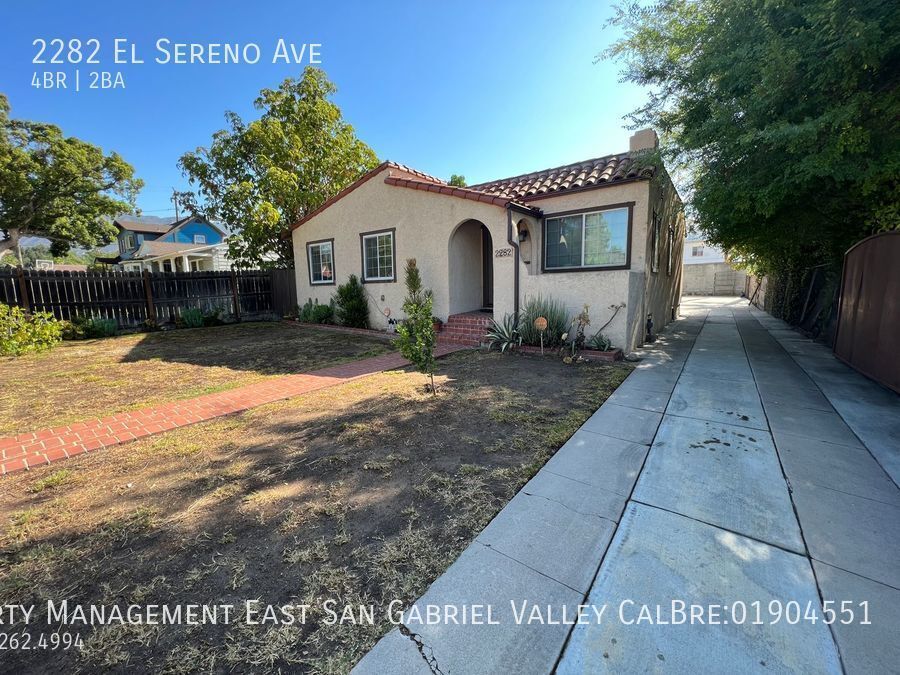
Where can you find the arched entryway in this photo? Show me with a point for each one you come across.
(471, 268)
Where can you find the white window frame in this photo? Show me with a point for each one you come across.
(697, 251)
(195, 265)
(584, 215)
(130, 242)
(375, 236)
(309, 261)
(199, 238)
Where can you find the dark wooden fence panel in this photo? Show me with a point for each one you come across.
(868, 328)
(130, 298)
(284, 291)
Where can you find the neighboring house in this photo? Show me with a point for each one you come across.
(707, 270)
(599, 232)
(187, 245)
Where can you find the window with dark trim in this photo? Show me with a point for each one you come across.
(320, 255)
(588, 240)
(378, 256)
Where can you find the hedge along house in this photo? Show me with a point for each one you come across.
(602, 232)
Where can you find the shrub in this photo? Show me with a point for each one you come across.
(101, 328)
(417, 336)
(313, 312)
(21, 332)
(504, 334)
(214, 317)
(191, 318)
(86, 328)
(557, 321)
(351, 304)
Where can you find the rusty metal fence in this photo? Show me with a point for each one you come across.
(868, 327)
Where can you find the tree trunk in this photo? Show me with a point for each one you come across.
(7, 245)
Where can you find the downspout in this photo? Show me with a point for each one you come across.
(514, 242)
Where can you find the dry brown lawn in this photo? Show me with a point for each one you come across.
(362, 493)
(93, 378)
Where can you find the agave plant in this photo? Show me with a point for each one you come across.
(504, 333)
(600, 342)
(553, 311)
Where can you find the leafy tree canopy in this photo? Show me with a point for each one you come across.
(31, 254)
(57, 187)
(458, 180)
(784, 115)
(260, 177)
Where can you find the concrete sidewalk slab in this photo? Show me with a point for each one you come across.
(865, 648)
(558, 527)
(628, 424)
(721, 474)
(658, 556)
(605, 462)
(734, 403)
(482, 577)
(633, 397)
(815, 424)
(856, 534)
(649, 380)
(838, 467)
(797, 396)
(719, 368)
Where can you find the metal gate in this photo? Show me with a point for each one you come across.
(868, 326)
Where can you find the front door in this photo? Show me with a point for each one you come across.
(487, 269)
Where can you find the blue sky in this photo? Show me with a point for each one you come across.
(486, 89)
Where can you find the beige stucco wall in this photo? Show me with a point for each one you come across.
(598, 289)
(424, 222)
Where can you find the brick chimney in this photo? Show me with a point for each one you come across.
(645, 139)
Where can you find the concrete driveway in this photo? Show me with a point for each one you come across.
(733, 507)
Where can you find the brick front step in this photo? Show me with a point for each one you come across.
(46, 446)
(468, 342)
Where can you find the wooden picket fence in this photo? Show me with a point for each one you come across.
(132, 297)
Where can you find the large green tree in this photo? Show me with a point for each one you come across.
(259, 177)
(58, 187)
(784, 113)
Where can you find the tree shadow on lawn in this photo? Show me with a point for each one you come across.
(362, 493)
(267, 348)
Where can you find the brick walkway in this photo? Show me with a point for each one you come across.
(51, 445)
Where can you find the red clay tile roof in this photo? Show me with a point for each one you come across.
(577, 176)
(516, 190)
(451, 190)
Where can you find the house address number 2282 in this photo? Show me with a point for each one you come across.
(72, 52)
(503, 253)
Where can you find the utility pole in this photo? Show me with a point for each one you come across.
(175, 201)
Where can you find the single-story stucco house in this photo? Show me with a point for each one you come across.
(600, 232)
